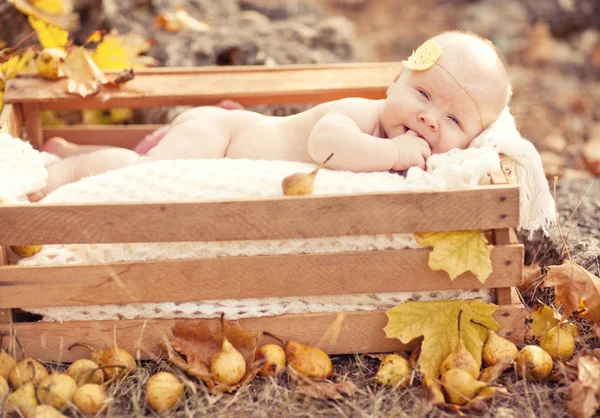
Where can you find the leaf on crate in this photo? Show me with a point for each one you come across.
(583, 392)
(84, 76)
(14, 65)
(67, 21)
(120, 78)
(576, 288)
(50, 36)
(191, 348)
(436, 323)
(180, 20)
(327, 390)
(110, 55)
(457, 252)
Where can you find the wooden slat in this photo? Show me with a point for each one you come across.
(244, 277)
(126, 136)
(359, 332)
(484, 207)
(33, 124)
(6, 315)
(263, 85)
(11, 120)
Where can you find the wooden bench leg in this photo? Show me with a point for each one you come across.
(33, 125)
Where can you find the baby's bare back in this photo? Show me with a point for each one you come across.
(210, 132)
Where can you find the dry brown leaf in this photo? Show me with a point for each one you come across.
(591, 155)
(122, 77)
(435, 396)
(531, 275)
(327, 390)
(192, 347)
(490, 374)
(575, 288)
(479, 402)
(68, 21)
(84, 76)
(582, 394)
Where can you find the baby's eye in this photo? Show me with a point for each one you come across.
(453, 119)
(424, 93)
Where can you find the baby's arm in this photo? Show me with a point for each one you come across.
(342, 131)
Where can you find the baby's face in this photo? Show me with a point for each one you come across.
(449, 104)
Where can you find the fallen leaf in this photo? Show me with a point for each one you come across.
(531, 275)
(123, 77)
(191, 348)
(437, 323)
(110, 55)
(14, 65)
(95, 36)
(328, 390)
(582, 394)
(490, 374)
(591, 155)
(479, 402)
(576, 287)
(84, 76)
(180, 20)
(50, 36)
(457, 252)
(68, 21)
(544, 318)
(435, 396)
(55, 7)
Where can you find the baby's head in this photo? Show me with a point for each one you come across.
(448, 99)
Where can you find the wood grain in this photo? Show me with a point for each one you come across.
(125, 136)
(6, 315)
(293, 84)
(11, 120)
(33, 124)
(484, 207)
(357, 332)
(244, 277)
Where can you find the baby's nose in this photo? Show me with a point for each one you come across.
(429, 120)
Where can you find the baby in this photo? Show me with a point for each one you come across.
(447, 93)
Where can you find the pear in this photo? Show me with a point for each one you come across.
(460, 358)
(27, 370)
(7, 363)
(26, 250)
(164, 391)
(272, 359)
(460, 386)
(46, 411)
(90, 398)
(48, 60)
(533, 363)
(85, 371)
(496, 348)
(305, 360)
(22, 399)
(227, 365)
(301, 183)
(3, 389)
(121, 361)
(56, 390)
(394, 371)
(559, 343)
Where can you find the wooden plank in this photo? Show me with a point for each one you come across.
(244, 277)
(33, 125)
(483, 207)
(6, 315)
(264, 85)
(126, 136)
(336, 333)
(11, 120)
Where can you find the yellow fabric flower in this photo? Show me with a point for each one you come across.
(425, 56)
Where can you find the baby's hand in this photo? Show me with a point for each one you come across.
(413, 151)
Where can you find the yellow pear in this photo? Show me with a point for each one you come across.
(3, 389)
(559, 343)
(7, 363)
(26, 250)
(496, 348)
(48, 60)
(533, 363)
(22, 399)
(46, 411)
(394, 371)
(85, 371)
(460, 358)
(272, 359)
(27, 370)
(227, 365)
(460, 386)
(163, 391)
(105, 358)
(301, 183)
(90, 398)
(56, 390)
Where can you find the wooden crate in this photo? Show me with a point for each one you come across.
(489, 208)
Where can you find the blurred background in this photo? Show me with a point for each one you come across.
(552, 47)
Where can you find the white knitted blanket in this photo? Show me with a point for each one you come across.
(231, 179)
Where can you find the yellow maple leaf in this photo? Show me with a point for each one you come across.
(545, 318)
(110, 55)
(50, 36)
(84, 76)
(66, 20)
(437, 323)
(458, 251)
